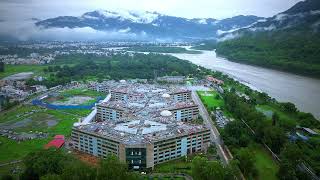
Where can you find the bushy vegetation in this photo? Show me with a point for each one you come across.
(251, 127)
(56, 164)
(202, 169)
(296, 52)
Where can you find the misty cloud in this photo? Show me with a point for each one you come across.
(27, 30)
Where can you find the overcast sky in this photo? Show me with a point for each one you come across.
(24, 9)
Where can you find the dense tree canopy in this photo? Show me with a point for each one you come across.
(122, 66)
(53, 164)
(202, 169)
(297, 52)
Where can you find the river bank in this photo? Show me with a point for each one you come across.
(285, 87)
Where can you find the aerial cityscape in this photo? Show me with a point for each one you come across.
(150, 89)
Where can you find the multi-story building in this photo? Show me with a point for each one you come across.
(185, 112)
(181, 95)
(108, 111)
(147, 128)
(119, 95)
(140, 151)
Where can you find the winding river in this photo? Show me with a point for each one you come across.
(304, 92)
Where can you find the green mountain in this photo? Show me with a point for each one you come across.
(289, 41)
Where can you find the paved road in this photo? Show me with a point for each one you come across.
(215, 135)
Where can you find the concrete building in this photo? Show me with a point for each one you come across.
(181, 95)
(185, 112)
(146, 128)
(172, 79)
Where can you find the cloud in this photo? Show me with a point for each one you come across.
(17, 9)
(26, 30)
(229, 37)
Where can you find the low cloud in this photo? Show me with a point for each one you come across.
(229, 37)
(27, 30)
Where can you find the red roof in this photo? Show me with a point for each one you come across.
(57, 143)
(59, 137)
(212, 79)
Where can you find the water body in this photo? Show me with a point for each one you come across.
(304, 92)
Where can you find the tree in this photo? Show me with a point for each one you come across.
(112, 168)
(289, 107)
(44, 162)
(286, 171)
(236, 134)
(275, 118)
(291, 156)
(275, 138)
(292, 153)
(2, 67)
(79, 171)
(202, 169)
(246, 159)
(6, 177)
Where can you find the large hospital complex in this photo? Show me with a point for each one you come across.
(143, 125)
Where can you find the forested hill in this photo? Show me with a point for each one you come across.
(288, 41)
(296, 52)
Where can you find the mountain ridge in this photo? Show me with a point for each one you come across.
(288, 41)
(152, 24)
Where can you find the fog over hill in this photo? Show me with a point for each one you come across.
(134, 25)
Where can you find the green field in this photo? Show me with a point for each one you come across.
(82, 92)
(13, 150)
(37, 121)
(210, 100)
(14, 69)
(266, 167)
(73, 96)
(285, 118)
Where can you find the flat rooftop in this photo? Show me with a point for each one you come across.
(135, 132)
(147, 116)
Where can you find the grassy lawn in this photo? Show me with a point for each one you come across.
(266, 167)
(285, 118)
(14, 69)
(17, 114)
(209, 99)
(82, 92)
(64, 120)
(12, 150)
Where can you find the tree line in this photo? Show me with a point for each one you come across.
(274, 133)
(122, 66)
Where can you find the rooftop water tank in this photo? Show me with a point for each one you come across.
(166, 113)
(166, 95)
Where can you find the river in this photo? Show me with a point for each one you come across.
(304, 92)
